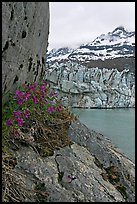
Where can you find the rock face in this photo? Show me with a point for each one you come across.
(90, 170)
(25, 29)
(92, 87)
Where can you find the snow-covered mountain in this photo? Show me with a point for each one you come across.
(116, 44)
(99, 74)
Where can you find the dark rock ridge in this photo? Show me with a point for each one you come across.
(92, 169)
(119, 63)
(25, 29)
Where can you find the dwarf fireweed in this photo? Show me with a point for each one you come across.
(29, 100)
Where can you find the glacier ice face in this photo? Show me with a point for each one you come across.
(93, 87)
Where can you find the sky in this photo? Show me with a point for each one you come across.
(75, 23)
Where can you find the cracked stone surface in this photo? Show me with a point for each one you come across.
(89, 158)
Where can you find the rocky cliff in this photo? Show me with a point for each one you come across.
(25, 29)
(91, 169)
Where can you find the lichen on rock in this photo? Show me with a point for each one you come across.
(22, 40)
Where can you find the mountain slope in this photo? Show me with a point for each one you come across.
(119, 43)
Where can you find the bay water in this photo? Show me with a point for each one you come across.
(116, 124)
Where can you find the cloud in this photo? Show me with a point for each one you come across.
(74, 23)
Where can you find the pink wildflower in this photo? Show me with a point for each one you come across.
(27, 96)
(43, 95)
(52, 93)
(27, 113)
(51, 109)
(35, 99)
(20, 121)
(19, 94)
(20, 102)
(17, 113)
(25, 85)
(9, 122)
(71, 178)
(59, 108)
(35, 84)
(42, 87)
(33, 87)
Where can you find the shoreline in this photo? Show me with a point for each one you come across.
(103, 107)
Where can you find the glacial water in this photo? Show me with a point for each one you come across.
(116, 124)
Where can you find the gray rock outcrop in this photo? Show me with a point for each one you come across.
(25, 29)
(99, 171)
